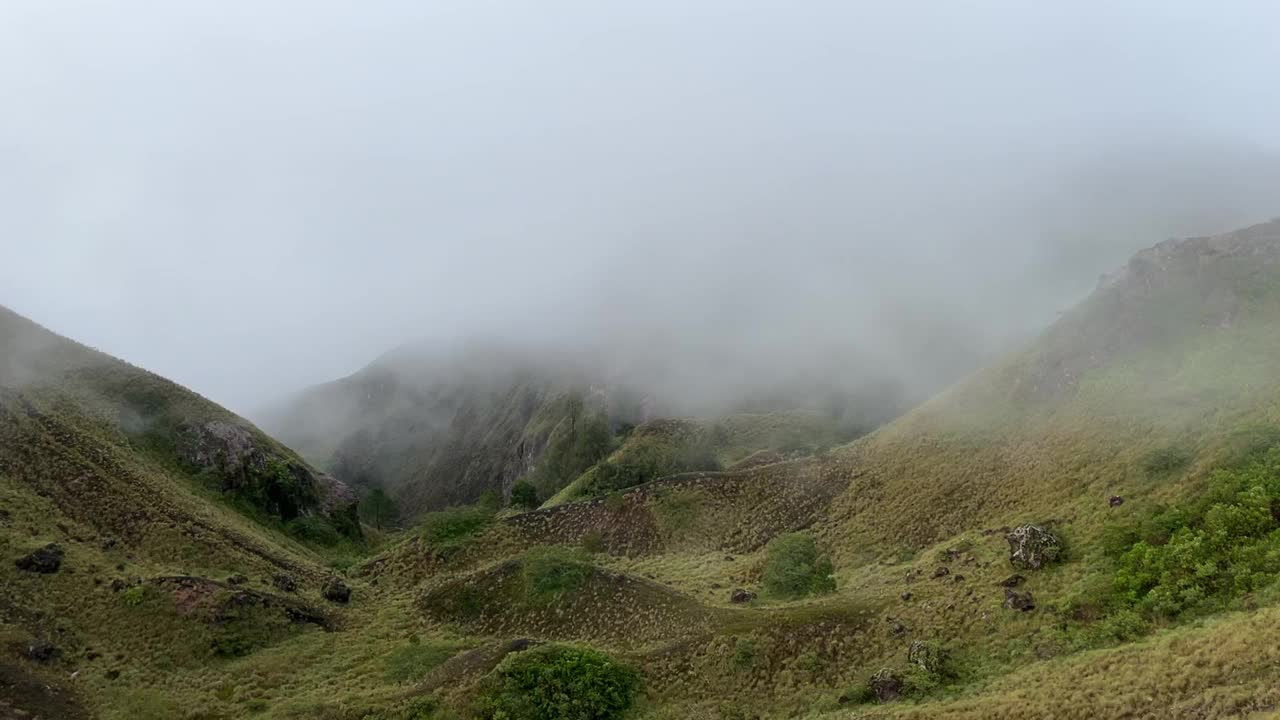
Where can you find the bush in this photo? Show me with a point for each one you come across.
(524, 495)
(553, 571)
(744, 654)
(1201, 555)
(794, 568)
(558, 682)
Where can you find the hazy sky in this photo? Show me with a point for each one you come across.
(253, 196)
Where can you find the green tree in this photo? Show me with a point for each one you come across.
(377, 508)
(794, 567)
(525, 495)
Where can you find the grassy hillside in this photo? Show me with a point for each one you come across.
(665, 447)
(1130, 456)
(438, 432)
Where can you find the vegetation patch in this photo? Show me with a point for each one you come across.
(794, 568)
(452, 529)
(1196, 557)
(411, 662)
(553, 571)
(677, 512)
(1167, 460)
(559, 682)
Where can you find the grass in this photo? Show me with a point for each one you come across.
(1165, 606)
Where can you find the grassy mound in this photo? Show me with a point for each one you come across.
(557, 595)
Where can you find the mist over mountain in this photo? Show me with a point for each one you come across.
(294, 189)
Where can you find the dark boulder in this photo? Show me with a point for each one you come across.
(1031, 547)
(1022, 601)
(942, 572)
(42, 651)
(44, 560)
(1115, 501)
(886, 685)
(1012, 581)
(284, 583)
(741, 597)
(337, 591)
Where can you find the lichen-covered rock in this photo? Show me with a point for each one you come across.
(247, 464)
(1031, 547)
(928, 657)
(337, 591)
(886, 685)
(45, 560)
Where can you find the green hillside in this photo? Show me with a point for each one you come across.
(1087, 529)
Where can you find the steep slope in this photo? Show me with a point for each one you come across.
(435, 432)
(1177, 354)
(146, 532)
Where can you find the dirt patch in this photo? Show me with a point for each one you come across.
(24, 697)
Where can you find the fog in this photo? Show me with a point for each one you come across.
(251, 197)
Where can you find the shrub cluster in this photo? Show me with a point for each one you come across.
(1198, 556)
(794, 567)
(559, 682)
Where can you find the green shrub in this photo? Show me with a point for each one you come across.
(744, 653)
(1199, 556)
(614, 502)
(553, 571)
(134, 596)
(524, 495)
(794, 568)
(558, 682)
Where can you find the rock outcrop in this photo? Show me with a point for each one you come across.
(1031, 547)
(45, 560)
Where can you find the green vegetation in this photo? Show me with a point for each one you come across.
(1198, 556)
(524, 495)
(454, 528)
(794, 568)
(553, 571)
(677, 513)
(377, 508)
(1167, 460)
(580, 441)
(559, 682)
(412, 661)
